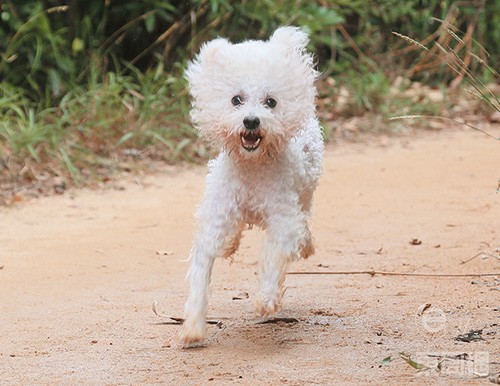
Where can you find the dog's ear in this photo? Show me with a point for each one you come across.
(210, 51)
(208, 57)
(292, 38)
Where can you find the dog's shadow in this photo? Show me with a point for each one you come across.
(274, 334)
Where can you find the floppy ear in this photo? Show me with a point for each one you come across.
(292, 38)
(209, 54)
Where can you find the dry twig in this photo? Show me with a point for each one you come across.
(384, 273)
(445, 119)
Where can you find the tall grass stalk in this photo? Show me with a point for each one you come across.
(452, 59)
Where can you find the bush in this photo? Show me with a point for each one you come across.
(48, 48)
(84, 84)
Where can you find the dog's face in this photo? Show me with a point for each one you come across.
(252, 97)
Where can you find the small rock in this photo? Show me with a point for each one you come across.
(495, 117)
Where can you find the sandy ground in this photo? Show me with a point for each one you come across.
(79, 274)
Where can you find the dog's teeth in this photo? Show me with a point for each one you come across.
(250, 145)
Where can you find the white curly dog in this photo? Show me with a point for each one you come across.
(256, 102)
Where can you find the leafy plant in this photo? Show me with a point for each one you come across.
(85, 86)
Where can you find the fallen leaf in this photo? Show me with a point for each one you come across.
(463, 357)
(164, 253)
(387, 360)
(422, 308)
(471, 336)
(241, 296)
(412, 363)
(278, 320)
(494, 378)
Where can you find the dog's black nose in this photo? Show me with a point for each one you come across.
(251, 123)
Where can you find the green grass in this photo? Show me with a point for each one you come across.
(74, 106)
(369, 99)
(94, 129)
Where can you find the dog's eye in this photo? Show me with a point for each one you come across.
(236, 100)
(270, 102)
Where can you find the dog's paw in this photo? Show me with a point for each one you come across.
(192, 334)
(268, 307)
(307, 249)
(190, 341)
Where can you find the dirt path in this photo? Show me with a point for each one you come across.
(80, 272)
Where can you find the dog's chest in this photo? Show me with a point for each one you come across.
(253, 204)
(259, 193)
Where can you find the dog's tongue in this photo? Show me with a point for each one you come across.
(251, 138)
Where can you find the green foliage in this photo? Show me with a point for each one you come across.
(370, 90)
(376, 95)
(255, 19)
(83, 83)
(120, 117)
(48, 51)
(48, 48)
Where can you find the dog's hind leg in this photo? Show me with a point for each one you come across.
(307, 248)
(232, 242)
(286, 241)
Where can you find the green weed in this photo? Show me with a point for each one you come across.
(87, 87)
(91, 127)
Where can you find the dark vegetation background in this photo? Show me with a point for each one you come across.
(91, 87)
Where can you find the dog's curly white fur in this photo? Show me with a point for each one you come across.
(256, 101)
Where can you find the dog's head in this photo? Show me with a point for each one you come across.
(250, 98)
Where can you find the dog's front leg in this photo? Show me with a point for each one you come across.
(216, 227)
(195, 309)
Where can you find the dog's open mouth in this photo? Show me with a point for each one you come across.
(250, 140)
